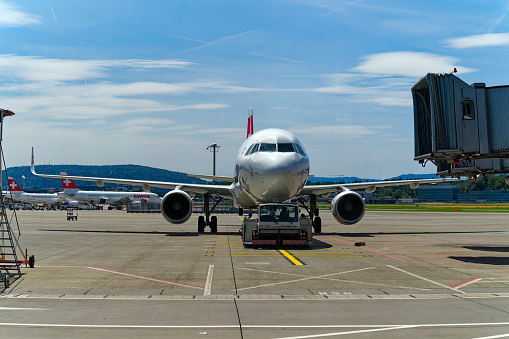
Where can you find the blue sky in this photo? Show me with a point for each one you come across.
(155, 82)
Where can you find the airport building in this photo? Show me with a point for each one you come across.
(451, 193)
(439, 192)
(481, 196)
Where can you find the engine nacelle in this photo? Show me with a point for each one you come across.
(177, 206)
(348, 207)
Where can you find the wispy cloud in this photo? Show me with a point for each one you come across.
(409, 64)
(337, 131)
(479, 40)
(214, 42)
(12, 16)
(38, 69)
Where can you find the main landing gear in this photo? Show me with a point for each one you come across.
(313, 212)
(208, 220)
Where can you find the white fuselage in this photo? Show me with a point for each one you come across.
(33, 198)
(112, 198)
(271, 166)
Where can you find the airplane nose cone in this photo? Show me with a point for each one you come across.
(280, 179)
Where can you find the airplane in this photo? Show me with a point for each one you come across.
(17, 194)
(72, 192)
(272, 166)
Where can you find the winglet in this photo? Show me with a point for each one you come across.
(250, 122)
(32, 166)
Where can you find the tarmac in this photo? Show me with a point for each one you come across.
(116, 275)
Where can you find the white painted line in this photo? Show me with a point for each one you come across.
(426, 279)
(349, 332)
(142, 277)
(23, 309)
(208, 283)
(308, 278)
(376, 327)
(333, 279)
(495, 336)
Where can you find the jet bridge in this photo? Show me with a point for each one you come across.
(459, 127)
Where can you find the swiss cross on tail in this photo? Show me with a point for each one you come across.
(13, 185)
(250, 122)
(68, 183)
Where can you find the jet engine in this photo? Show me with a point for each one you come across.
(348, 207)
(177, 206)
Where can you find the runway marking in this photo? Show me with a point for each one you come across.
(494, 336)
(208, 283)
(349, 332)
(23, 309)
(426, 279)
(366, 249)
(377, 327)
(466, 282)
(146, 278)
(290, 257)
(332, 279)
(302, 279)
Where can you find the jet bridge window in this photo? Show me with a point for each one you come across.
(468, 110)
(265, 147)
(286, 148)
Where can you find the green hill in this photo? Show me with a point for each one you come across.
(35, 183)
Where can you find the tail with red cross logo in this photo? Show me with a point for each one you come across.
(68, 184)
(13, 186)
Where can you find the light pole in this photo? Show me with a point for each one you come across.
(213, 148)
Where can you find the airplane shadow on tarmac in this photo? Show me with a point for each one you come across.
(485, 260)
(168, 234)
(371, 235)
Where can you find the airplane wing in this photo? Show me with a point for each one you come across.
(369, 186)
(222, 190)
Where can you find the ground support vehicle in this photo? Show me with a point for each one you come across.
(277, 225)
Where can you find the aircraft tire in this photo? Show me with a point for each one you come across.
(213, 224)
(317, 225)
(31, 261)
(201, 224)
(7, 281)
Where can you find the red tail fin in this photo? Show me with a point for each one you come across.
(250, 122)
(68, 183)
(14, 186)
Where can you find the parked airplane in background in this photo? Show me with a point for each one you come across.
(17, 194)
(72, 192)
(271, 166)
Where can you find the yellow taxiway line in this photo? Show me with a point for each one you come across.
(290, 257)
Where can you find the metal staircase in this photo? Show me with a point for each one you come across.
(9, 263)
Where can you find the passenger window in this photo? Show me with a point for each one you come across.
(285, 148)
(468, 110)
(300, 150)
(264, 147)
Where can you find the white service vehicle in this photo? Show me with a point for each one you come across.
(277, 224)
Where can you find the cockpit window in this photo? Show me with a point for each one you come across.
(255, 148)
(287, 147)
(265, 147)
(249, 150)
(300, 150)
(252, 149)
